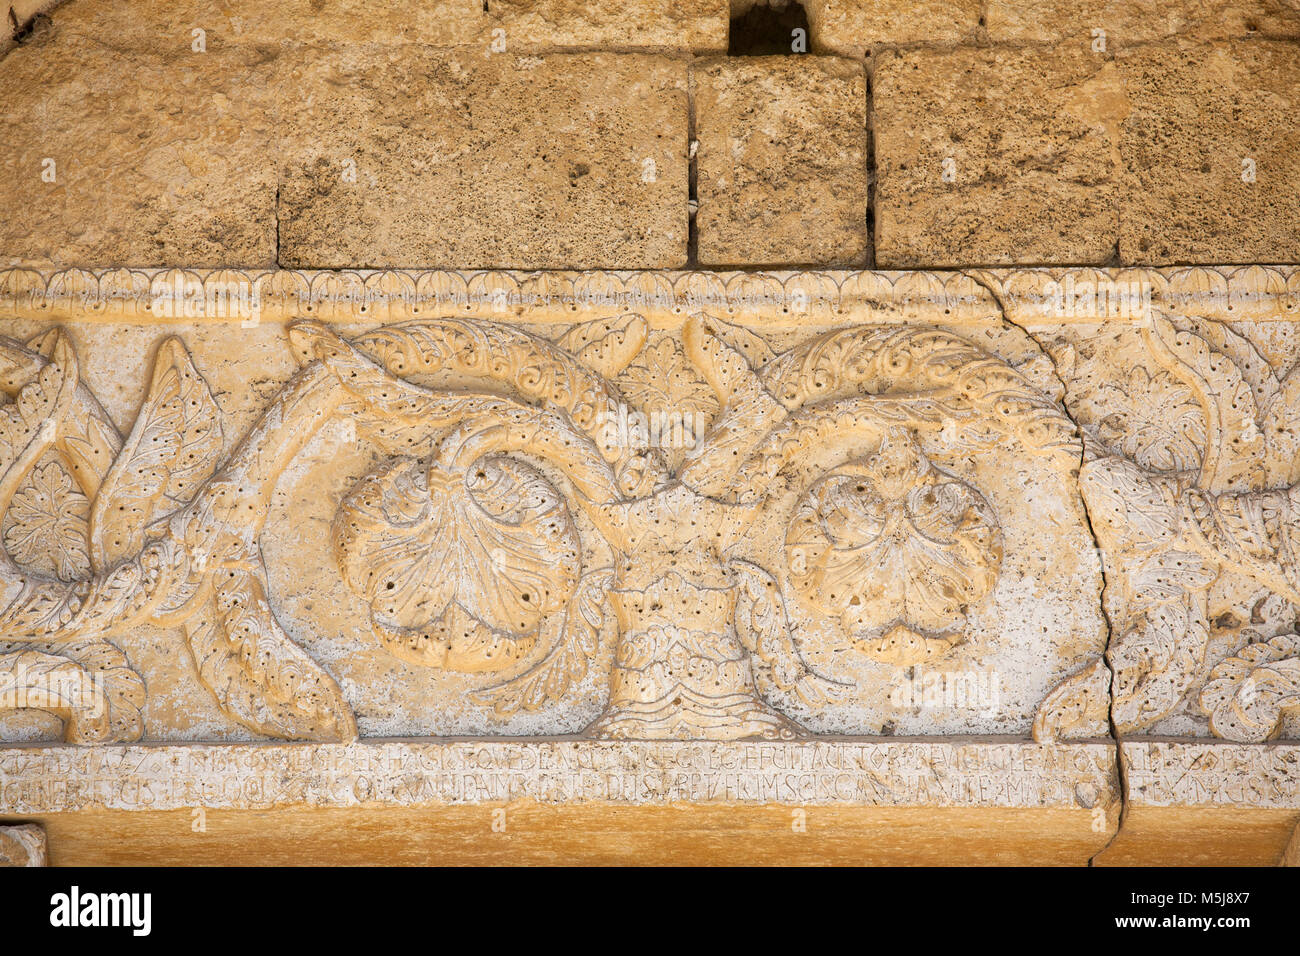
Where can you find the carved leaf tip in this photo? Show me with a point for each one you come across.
(257, 674)
(173, 448)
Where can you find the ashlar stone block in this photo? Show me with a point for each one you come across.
(853, 27)
(782, 165)
(1118, 23)
(486, 160)
(992, 156)
(1211, 155)
(114, 157)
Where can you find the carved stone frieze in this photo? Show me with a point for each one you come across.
(643, 506)
(702, 530)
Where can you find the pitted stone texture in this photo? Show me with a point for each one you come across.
(530, 162)
(782, 169)
(851, 27)
(939, 774)
(165, 26)
(528, 25)
(1137, 21)
(1199, 113)
(1029, 141)
(699, 25)
(23, 846)
(157, 160)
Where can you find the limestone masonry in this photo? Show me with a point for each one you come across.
(580, 410)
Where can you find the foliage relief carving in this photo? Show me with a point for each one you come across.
(464, 542)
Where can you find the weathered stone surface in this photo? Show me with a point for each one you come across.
(1211, 164)
(22, 846)
(1189, 804)
(996, 156)
(515, 26)
(534, 162)
(385, 655)
(1125, 22)
(699, 25)
(167, 26)
(940, 775)
(782, 165)
(591, 833)
(851, 27)
(840, 533)
(175, 166)
(1169, 773)
(793, 565)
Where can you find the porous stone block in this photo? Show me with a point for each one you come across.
(699, 25)
(514, 26)
(164, 26)
(996, 156)
(852, 27)
(1125, 22)
(781, 166)
(115, 157)
(1211, 154)
(485, 160)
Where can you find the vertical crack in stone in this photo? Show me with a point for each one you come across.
(278, 264)
(692, 164)
(1120, 775)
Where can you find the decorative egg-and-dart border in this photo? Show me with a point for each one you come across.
(1249, 292)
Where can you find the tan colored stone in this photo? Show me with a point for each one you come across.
(1189, 804)
(782, 167)
(850, 27)
(877, 530)
(157, 160)
(1291, 853)
(1125, 22)
(1198, 837)
(23, 846)
(998, 156)
(1205, 118)
(699, 25)
(581, 833)
(490, 160)
(166, 26)
(513, 26)
(440, 623)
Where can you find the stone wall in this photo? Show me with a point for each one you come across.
(418, 410)
(562, 135)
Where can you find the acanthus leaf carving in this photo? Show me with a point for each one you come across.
(465, 540)
(257, 674)
(607, 347)
(172, 450)
(567, 662)
(1169, 534)
(1248, 691)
